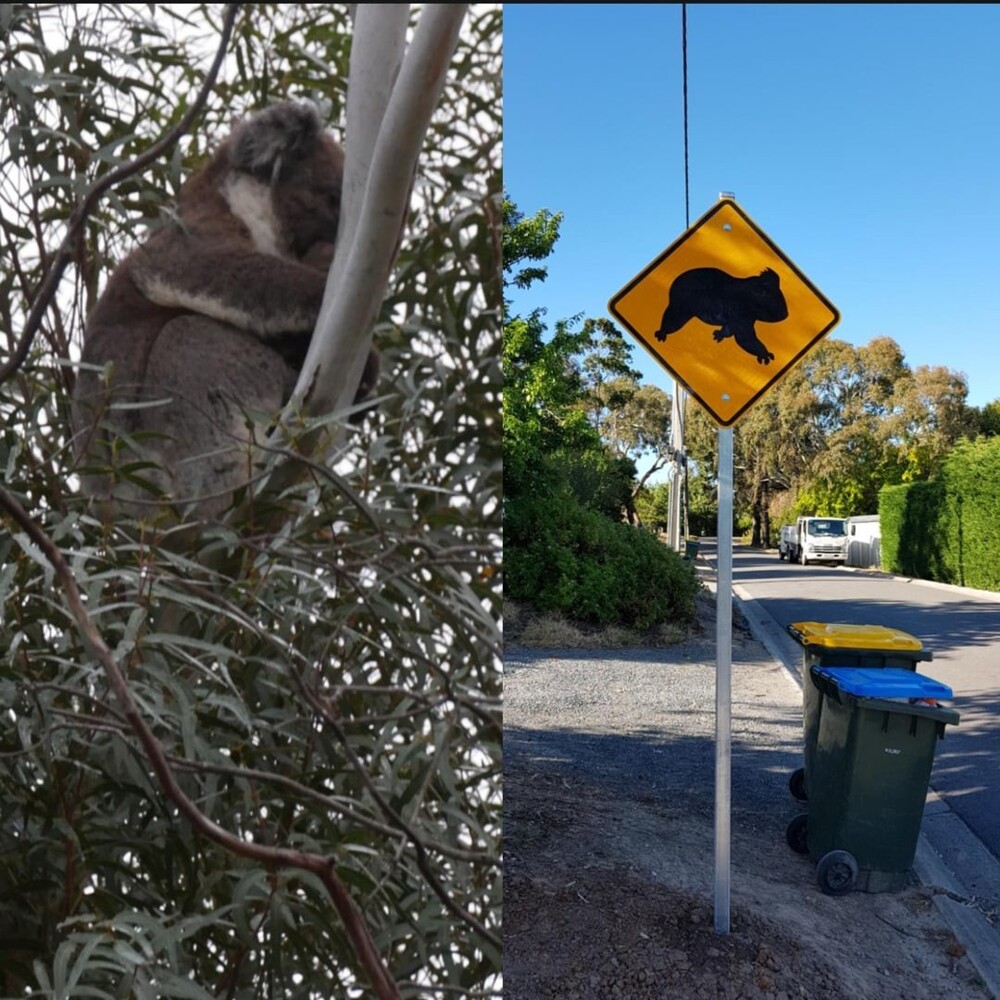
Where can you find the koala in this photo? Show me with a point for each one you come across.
(734, 304)
(203, 329)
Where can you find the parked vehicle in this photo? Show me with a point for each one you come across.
(864, 541)
(820, 539)
(788, 542)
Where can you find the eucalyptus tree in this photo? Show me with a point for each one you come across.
(295, 789)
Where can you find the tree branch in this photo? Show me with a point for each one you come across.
(376, 54)
(378, 196)
(330, 802)
(323, 868)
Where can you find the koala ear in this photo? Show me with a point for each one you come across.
(267, 142)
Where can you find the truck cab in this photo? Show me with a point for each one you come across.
(821, 539)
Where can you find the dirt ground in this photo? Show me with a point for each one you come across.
(609, 889)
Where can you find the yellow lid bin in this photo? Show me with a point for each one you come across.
(840, 645)
(858, 637)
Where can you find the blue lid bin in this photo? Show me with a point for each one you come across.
(877, 734)
(838, 644)
(887, 682)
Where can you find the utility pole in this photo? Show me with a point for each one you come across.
(679, 469)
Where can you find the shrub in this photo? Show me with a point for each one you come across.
(560, 556)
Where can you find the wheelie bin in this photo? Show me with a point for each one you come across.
(842, 645)
(878, 730)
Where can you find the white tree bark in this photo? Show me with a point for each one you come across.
(391, 97)
(376, 54)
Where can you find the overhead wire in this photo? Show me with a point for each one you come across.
(681, 497)
(684, 62)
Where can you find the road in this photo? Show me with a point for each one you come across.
(959, 626)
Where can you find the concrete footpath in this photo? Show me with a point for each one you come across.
(950, 858)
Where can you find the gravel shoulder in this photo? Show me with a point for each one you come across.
(609, 841)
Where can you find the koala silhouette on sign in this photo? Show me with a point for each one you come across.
(735, 305)
(207, 324)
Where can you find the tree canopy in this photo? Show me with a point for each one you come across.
(842, 424)
(569, 474)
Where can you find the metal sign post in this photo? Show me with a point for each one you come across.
(727, 314)
(723, 679)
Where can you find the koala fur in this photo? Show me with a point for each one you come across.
(205, 327)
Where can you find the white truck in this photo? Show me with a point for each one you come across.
(814, 539)
(787, 542)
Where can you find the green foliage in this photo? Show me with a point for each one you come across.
(703, 506)
(842, 424)
(527, 239)
(826, 498)
(910, 519)
(560, 556)
(972, 482)
(948, 529)
(596, 479)
(652, 504)
(565, 548)
(333, 688)
(989, 419)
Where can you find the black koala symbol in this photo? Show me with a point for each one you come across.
(734, 304)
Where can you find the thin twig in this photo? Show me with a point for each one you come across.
(282, 857)
(397, 820)
(305, 792)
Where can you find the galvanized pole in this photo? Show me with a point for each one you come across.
(723, 679)
(677, 480)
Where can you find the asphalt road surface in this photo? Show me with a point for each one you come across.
(959, 626)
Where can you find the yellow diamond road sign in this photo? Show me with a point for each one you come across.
(724, 311)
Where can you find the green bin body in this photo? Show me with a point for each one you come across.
(839, 645)
(871, 770)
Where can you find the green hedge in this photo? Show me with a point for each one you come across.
(947, 529)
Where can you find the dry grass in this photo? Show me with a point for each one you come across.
(526, 627)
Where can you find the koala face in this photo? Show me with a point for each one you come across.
(308, 201)
(295, 169)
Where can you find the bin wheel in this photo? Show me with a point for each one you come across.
(797, 784)
(837, 873)
(796, 834)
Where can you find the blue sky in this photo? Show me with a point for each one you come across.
(864, 139)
